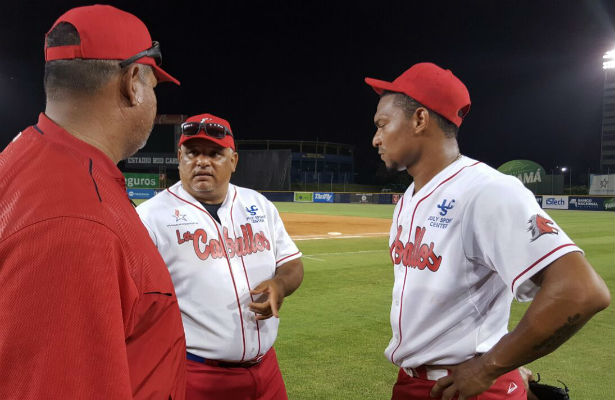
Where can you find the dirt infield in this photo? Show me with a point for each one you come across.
(312, 226)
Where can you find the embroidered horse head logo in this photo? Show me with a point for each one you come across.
(540, 225)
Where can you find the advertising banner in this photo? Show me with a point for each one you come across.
(586, 203)
(539, 200)
(602, 184)
(363, 198)
(141, 193)
(323, 197)
(609, 204)
(556, 202)
(304, 197)
(525, 170)
(145, 181)
(148, 160)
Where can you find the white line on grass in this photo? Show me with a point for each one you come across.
(321, 237)
(342, 252)
(313, 258)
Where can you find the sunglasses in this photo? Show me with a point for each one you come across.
(153, 52)
(211, 129)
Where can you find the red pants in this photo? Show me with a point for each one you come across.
(259, 382)
(408, 388)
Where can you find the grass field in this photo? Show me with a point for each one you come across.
(335, 327)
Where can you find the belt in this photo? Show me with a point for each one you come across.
(223, 364)
(432, 373)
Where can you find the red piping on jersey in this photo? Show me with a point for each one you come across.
(258, 330)
(401, 300)
(512, 286)
(284, 258)
(243, 334)
(430, 193)
(396, 225)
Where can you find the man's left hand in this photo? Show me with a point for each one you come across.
(466, 379)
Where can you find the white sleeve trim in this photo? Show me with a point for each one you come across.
(522, 287)
(286, 259)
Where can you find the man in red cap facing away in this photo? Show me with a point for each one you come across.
(232, 265)
(465, 241)
(87, 308)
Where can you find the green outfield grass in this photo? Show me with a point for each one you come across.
(335, 327)
(357, 210)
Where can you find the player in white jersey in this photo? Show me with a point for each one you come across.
(232, 263)
(465, 241)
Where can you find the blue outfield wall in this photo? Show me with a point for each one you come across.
(587, 203)
(279, 196)
(334, 197)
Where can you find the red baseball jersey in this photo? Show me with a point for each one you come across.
(87, 307)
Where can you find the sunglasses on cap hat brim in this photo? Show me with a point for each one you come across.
(153, 52)
(210, 129)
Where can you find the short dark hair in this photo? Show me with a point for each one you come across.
(83, 76)
(409, 106)
(74, 75)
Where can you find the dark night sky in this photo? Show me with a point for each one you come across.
(283, 69)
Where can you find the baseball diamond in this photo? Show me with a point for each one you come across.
(303, 227)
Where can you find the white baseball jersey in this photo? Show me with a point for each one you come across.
(462, 247)
(215, 265)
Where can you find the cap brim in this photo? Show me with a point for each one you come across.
(163, 76)
(381, 86)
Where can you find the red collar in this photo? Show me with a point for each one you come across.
(55, 133)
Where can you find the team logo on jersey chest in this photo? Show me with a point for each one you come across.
(442, 219)
(444, 207)
(204, 248)
(253, 215)
(439, 222)
(179, 216)
(415, 255)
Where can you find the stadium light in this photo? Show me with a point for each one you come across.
(609, 60)
(564, 169)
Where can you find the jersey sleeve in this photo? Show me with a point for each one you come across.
(284, 247)
(144, 215)
(62, 311)
(505, 230)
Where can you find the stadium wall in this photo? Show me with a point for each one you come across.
(558, 202)
(587, 203)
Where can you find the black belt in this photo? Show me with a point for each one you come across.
(222, 364)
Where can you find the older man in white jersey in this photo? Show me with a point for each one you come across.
(465, 241)
(232, 263)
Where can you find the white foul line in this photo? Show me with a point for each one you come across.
(310, 257)
(313, 258)
(354, 236)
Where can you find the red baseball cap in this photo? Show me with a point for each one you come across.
(107, 33)
(433, 87)
(208, 121)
